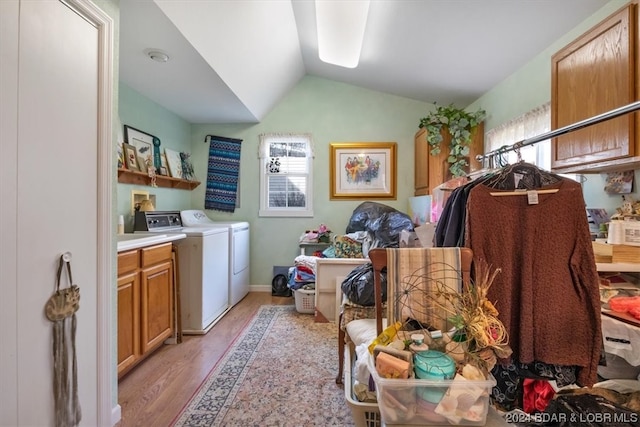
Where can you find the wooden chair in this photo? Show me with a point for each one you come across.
(379, 259)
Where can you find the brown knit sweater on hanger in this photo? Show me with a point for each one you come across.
(548, 291)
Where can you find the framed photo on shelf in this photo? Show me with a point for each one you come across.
(362, 170)
(174, 162)
(143, 142)
(187, 167)
(120, 156)
(130, 157)
(163, 162)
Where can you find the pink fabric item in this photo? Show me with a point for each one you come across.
(624, 304)
(635, 312)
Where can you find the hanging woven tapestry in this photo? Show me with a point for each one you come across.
(222, 173)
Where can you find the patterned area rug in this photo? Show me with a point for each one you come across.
(280, 371)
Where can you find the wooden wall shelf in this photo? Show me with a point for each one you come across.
(126, 176)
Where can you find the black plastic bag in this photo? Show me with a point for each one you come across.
(358, 285)
(586, 410)
(382, 222)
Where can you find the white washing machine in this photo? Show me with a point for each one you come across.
(203, 264)
(239, 250)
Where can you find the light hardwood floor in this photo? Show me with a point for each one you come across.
(155, 391)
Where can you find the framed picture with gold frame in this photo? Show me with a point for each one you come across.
(362, 170)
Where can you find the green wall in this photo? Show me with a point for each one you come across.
(331, 112)
(530, 87)
(143, 114)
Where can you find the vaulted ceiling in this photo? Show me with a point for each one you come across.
(232, 61)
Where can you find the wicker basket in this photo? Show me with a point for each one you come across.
(305, 301)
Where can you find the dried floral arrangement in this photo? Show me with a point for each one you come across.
(478, 338)
(476, 320)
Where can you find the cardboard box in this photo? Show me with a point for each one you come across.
(409, 239)
(605, 252)
(426, 233)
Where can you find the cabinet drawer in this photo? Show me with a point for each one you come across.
(127, 261)
(155, 254)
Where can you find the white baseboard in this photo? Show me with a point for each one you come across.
(116, 414)
(259, 288)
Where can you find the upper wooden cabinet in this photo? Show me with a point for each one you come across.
(431, 171)
(597, 73)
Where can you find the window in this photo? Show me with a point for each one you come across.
(286, 175)
(528, 125)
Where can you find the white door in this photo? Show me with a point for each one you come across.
(51, 72)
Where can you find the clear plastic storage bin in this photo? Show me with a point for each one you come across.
(402, 401)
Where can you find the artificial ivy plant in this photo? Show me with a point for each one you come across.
(460, 125)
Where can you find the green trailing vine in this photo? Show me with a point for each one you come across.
(460, 125)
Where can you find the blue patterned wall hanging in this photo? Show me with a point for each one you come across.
(222, 173)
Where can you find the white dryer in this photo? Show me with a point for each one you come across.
(239, 250)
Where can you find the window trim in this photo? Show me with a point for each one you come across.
(263, 150)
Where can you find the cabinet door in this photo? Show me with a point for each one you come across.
(431, 171)
(594, 74)
(128, 320)
(421, 163)
(156, 305)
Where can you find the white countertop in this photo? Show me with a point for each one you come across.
(130, 241)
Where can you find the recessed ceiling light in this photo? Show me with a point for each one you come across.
(157, 55)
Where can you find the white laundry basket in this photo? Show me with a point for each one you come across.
(305, 300)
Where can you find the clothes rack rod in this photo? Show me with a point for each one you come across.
(634, 106)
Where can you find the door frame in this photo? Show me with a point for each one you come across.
(109, 412)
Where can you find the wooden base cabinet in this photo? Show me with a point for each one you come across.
(128, 320)
(156, 305)
(596, 73)
(431, 171)
(145, 303)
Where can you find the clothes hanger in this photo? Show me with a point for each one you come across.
(530, 176)
(524, 192)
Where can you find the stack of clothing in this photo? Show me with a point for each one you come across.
(303, 274)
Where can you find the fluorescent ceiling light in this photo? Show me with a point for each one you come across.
(341, 26)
